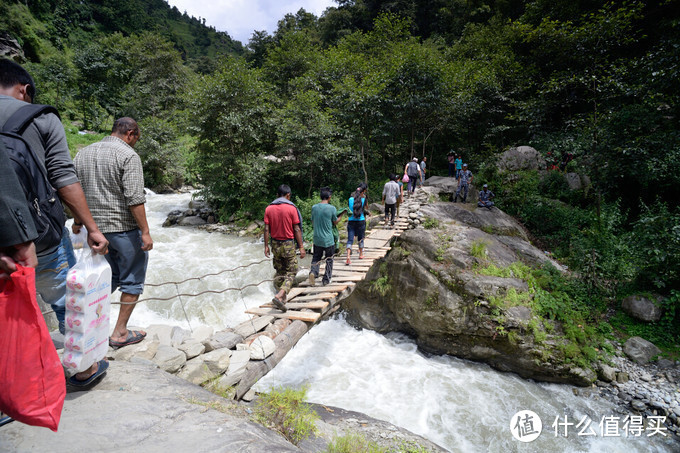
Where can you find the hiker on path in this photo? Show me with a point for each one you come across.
(356, 224)
(283, 225)
(113, 181)
(451, 158)
(423, 170)
(324, 217)
(44, 134)
(390, 195)
(412, 170)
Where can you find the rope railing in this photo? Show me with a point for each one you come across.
(180, 295)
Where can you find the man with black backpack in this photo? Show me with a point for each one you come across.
(36, 143)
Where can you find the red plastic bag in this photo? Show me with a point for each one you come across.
(32, 384)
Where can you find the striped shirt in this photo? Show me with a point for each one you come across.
(110, 172)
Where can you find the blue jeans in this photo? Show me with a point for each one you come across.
(50, 277)
(127, 260)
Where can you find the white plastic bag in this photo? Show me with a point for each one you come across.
(88, 306)
(79, 240)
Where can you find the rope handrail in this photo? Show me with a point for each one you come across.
(207, 275)
(209, 291)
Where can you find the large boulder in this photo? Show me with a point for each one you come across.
(430, 290)
(642, 308)
(442, 184)
(640, 350)
(521, 158)
(492, 222)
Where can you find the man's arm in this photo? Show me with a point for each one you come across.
(266, 240)
(139, 213)
(298, 238)
(74, 198)
(23, 254)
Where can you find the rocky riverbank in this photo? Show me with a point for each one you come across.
(426, 287)
(450, 311)
(138, 407)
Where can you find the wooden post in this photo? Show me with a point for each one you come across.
(284, 343)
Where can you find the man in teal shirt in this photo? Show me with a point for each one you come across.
(324, 217)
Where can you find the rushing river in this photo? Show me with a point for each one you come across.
(462, 406)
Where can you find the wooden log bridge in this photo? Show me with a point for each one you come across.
(307, 305)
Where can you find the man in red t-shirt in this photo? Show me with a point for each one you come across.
(282, 223)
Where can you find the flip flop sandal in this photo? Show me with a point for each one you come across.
(101, 371)
(280, 305)
(133, 337)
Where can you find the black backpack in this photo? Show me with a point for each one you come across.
(44, 204)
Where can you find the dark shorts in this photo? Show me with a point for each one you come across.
(356, 228)
(127, 260)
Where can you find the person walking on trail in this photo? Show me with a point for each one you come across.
(400, 198)
(391, 193)
(464, 180)
(113, 181)
(412, 170)
(41, 129)
(459, 165)
(324, 217)
(356, 224)
(485, 197)
(423, 170)
(283, 225)
(451, 158)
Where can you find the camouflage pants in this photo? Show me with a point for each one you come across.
(285, 263)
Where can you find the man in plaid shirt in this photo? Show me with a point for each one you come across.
(110, 172)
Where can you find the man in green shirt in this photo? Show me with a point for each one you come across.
(324, 217)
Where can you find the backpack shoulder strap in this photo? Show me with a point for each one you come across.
(18, 122)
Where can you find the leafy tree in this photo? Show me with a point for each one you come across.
(161, 152)
(230, 111)
(309, 143)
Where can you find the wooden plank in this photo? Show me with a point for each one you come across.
(380, 234)
(354, 259)
(253, 325)
(375, 242)
(337, 279)
(312, 305)
(307, 316)
(324, 289)
(351, 267)
(341, 272)
(317, 296)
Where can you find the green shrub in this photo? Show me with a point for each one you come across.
(353, 443)
(284, 410)
(478, 248)
(430, 223)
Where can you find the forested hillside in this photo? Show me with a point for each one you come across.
(354, 94)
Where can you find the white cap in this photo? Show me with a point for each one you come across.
(416, 159)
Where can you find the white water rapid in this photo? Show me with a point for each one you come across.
(462, 406)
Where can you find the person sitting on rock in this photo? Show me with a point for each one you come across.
(485, 197)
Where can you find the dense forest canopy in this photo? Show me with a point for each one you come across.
(353, 94)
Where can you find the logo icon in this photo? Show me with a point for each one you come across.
(526, 426)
